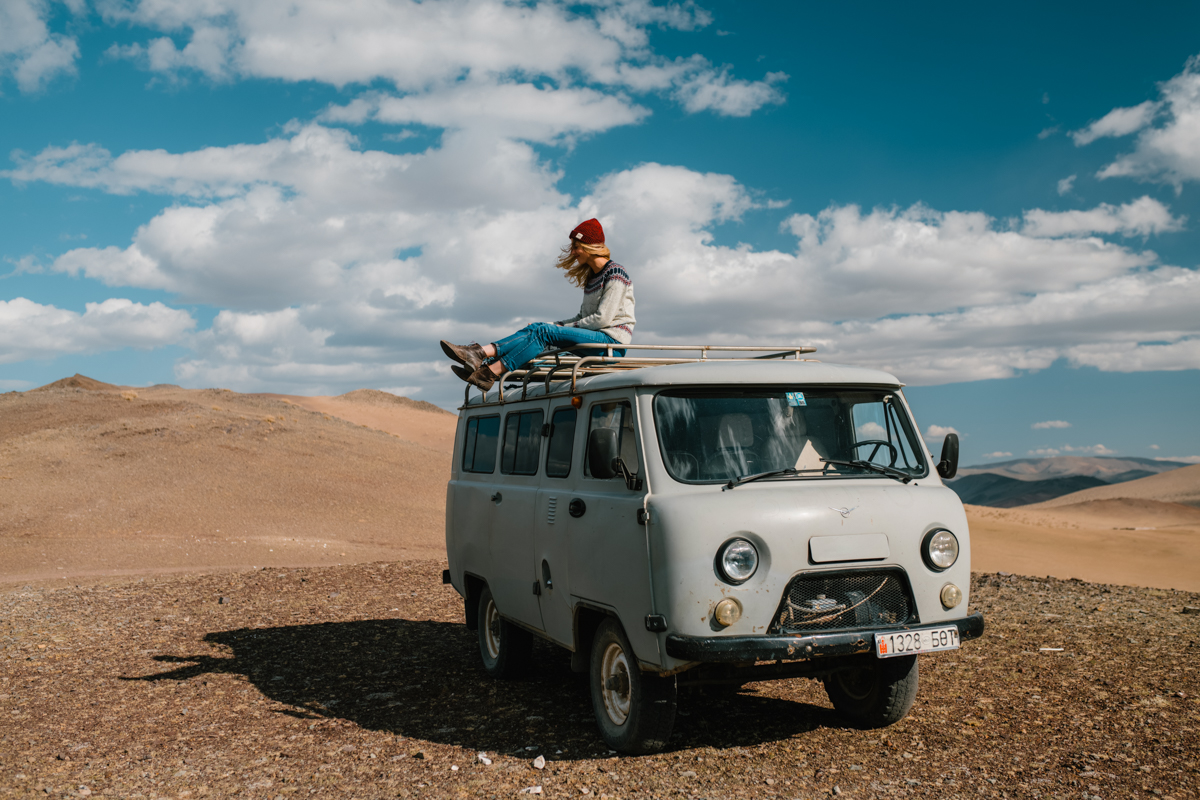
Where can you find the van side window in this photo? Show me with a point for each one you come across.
(616, 414)
(479, 444)
(522, 443)
(562, 440)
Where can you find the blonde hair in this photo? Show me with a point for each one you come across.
(577, 272)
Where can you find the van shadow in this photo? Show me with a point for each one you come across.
(423, 680)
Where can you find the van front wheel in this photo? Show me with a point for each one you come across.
(505, 648)
(875, 696)
(635, 710)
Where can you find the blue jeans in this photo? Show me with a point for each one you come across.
(529, 342)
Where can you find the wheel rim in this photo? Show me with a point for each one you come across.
(857, 683)
(491, 630)
(615, 684)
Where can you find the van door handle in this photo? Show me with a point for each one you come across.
(577, 508)
(497, 497)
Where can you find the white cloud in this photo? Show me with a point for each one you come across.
(938, 432)
(1066, 185)
(713, 90)
(1167, 148)
(1153, 447)
(512, 110)
(28, 50)
(1053, 423)
(376, 255)
(1118, 122)
(538, 69)
(997, 454)
(31, 330)
(1140, 217)
(1092, 450)
(1185, 459)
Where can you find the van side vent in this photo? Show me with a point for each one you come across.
(551, 509)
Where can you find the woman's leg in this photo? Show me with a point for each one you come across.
(530, 341)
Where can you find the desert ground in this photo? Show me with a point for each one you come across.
(204, 593)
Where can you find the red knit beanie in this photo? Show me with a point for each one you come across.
(588, 232)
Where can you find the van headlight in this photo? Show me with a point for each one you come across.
(737, 560)
(940, 550)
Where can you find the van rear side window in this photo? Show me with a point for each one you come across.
(522, 443)
(479, 444)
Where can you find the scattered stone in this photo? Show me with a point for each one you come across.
(539, 762)
(223, 600)
(532, 790)
(1191, 610)
(483, 759)
(687, 774)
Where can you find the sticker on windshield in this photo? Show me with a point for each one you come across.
(796, 399)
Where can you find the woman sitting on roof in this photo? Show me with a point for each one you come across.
(606, 316)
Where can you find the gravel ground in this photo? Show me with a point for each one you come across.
(362, 681)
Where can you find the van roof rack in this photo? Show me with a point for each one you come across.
(552, 362)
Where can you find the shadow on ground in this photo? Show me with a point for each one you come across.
(423, 680)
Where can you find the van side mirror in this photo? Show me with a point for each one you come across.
(603, 448)
(948, 466)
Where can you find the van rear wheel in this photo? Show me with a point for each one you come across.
(506, 649)
(635, 710)
(877, 695)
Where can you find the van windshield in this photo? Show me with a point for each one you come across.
(713, 436)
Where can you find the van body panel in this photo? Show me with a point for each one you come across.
(510, 568)
(610, 563)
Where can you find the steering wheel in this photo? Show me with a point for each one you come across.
(878, 444)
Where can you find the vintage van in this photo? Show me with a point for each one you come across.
(707, 515)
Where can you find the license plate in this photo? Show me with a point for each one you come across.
(907, 643)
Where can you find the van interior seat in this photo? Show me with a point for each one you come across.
(734, 432)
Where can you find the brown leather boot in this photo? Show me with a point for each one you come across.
(482, 378)
(470, 355)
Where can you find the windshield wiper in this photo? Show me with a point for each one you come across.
(891, 472)
(770, 474)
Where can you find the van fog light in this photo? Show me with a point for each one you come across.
(951, 595)
(727, 612)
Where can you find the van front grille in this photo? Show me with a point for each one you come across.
(842, 600)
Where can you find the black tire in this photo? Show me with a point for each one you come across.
(876, 695)
(635, 710)
(506, 649)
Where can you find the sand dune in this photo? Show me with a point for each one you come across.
(1124, 541)
(1177, 486)
(413, 420)
(99, 480)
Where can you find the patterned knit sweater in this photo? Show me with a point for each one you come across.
(607, 304)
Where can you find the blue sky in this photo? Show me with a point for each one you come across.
(1000, 208)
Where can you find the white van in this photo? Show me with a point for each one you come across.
(673, 518)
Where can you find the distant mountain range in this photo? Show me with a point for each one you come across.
(1034, 480)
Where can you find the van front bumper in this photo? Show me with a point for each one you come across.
(732, 649)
